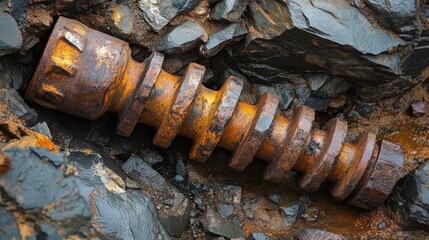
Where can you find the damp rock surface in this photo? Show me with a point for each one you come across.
(180, 39)
(10, 37)
(159, 13)
(218, 226)
(334, 26)
(218, 40)
(173, 206)
(17, 106)
(78, 194)
(117, 213)
(229, 10)
(38, 193)
(410, 199)
(8, 225)
(398, 15)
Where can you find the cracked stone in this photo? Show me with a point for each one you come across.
(229, 10)
(158, 13)
(294, 210)
(334, 26)
(93, 197)
(215, 224)
(180, 39)
(225, 210)
(35, 192)
(8, 225)
(259, 236)
(11, 38)
(176, 216)
(410, 199)
(225, 36)
(43, 129)
(17, 106)
(398, 15)
(14, 73)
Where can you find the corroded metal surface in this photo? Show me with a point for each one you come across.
(86, 73)
(4, 163)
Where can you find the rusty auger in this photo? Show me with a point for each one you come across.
(86, 73)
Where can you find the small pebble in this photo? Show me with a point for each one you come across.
(249, 213)
(198, 201)
(178, 178)
(382, 225)
(225, 210)
(417, 109)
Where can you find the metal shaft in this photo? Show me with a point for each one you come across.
(86, 73)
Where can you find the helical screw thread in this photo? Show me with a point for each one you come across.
(86, 73)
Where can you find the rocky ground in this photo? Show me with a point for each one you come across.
(365, 61)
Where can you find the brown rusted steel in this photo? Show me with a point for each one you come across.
(4, 163)
(86, 73)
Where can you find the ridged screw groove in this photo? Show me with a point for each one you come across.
(105, 78)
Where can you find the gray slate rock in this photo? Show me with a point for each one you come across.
(47, 231)
(229, 10)
(284, 90)
(173, 206)
(364, 109)
(180, 39)
(10, 37)
(116, 212)
(158, 13)
(317, 103)
(17, 8)
(225, 210)
(317, 234)
(151, 157)
(14, 74)
(126, 216)
(225, 36)
(90, 196)
(316, 80)
(275, 197)
(409, 200)
(294, 210)
(259, 236)
(418, 60)
(17, 106)
(125, 23)
(333, 87)
(214, 223)
(398, 15)
(33, 191)
(351, 46)
(8, 225)
(43, 129)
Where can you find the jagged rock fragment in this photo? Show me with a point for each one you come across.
(409, 201)
(223, 37)
(10, 37)
(229, 10)
(174, 207)
(158, 13)
(339, 40)
(180, 39)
